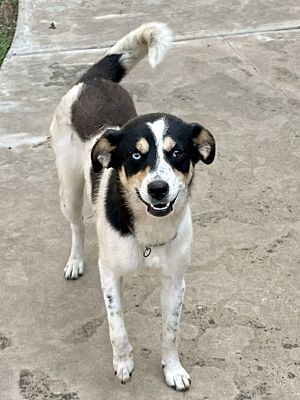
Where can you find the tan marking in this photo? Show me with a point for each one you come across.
(122, 176)
(105, 145)
(101, 151)
(190, 174)
(135, 181)
(142, 146)
(169, 143)
(185, 178)
(205, 142)
(203, 136)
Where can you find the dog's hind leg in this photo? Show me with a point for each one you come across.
(69, 151)
(122, 351)
(71, 180)
(172, 295)
(71, 201)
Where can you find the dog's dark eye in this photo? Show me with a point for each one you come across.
(177, 154)
(136, 156)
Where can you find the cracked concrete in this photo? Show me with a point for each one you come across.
(235, 68)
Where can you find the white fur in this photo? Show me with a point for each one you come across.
(120, 254)
(172, 295)
(162, 170)
(153, 38)
(122, 350)
(69, 151)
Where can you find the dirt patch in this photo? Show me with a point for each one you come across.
(84, 332)
(39, 386)
(4, 342)
(64, 75)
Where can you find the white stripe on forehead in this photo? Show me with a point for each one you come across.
(162, 169)
(158, 128)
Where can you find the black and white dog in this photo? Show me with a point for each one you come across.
(138, 172)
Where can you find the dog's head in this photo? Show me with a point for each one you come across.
(155, 156)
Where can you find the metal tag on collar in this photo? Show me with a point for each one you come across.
(147, 251)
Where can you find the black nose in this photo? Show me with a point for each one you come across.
(158, 189)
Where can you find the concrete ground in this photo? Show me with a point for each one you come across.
(235, 68)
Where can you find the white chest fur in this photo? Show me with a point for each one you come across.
(125, 253)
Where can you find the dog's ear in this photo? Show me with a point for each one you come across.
(204, 143)
(101, 152)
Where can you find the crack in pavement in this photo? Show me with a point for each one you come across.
(244, 59)
(179, 39)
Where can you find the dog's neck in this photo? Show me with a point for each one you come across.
(153, 231)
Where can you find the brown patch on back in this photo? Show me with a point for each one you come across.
(135, 181)
(169, 143)
(142, 146)
(101, 102)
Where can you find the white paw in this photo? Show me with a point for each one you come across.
(124, 369)
(73, 269)
(177, 377)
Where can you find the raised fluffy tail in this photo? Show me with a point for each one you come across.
(153, 38)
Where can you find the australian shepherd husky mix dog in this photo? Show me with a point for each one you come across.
(137, 171)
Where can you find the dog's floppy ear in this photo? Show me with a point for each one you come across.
(204, 143)
(101, 152)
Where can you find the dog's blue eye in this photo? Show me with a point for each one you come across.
(177, 153)
(136, 156)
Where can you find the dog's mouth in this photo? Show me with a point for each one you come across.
(158, 209)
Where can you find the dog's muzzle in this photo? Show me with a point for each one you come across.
(159, 207)
(158, 190)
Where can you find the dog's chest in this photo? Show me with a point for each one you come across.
(124, 254)
(132, 255)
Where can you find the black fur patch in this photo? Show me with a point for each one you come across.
(180, 157)
(183, 135)
(101, 103)
(117, 212)
(132, 132)
(108, 68)
(182, 154)
(95, 183)
(180, 131)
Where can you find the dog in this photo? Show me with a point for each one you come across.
(138, 172)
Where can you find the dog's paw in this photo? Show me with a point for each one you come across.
(177, 377)
(124, 369)
(73, 269)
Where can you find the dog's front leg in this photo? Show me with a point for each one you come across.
(122, 351)
(172, 295)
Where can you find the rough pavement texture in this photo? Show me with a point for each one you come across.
(234, 68)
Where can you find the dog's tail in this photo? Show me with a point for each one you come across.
(153, 38)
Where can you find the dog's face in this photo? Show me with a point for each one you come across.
(155, 155)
